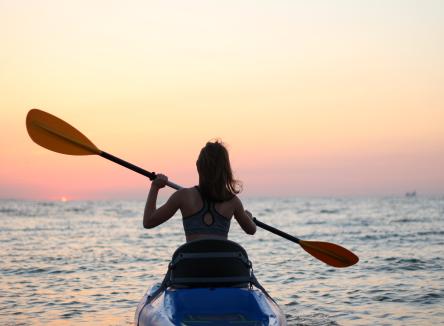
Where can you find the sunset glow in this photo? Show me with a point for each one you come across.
(312, 98)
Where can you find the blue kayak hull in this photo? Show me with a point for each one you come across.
(209, 306)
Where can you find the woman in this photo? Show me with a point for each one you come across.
(206, 209)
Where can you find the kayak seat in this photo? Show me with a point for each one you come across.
(210, 263)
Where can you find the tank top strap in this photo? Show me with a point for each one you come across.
(212, 207)
(206, 203)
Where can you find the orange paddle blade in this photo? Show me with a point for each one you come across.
(57, 135)
(330, 253)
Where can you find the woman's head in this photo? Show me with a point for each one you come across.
(215, 176)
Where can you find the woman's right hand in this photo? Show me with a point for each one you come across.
(160, 181)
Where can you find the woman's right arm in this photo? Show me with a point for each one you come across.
(243, 217)
(153, 216)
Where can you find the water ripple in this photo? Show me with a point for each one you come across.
(91, 262)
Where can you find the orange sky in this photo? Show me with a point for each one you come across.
(315, 98)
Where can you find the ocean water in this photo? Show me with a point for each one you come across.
(90, 262)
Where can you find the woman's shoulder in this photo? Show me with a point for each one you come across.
(186, 192)
(182, 196)
(234, 199)
(234, 202)
(237, 204)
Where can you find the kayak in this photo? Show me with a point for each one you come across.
(206, 306)
(209, 282)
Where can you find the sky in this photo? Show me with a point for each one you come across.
(312, 98)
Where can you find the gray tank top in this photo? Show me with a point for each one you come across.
(196, 224)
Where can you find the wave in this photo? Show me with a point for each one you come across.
(330, 211)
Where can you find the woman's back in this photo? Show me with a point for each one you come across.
(192, 202)
(206, 210)
(203, 218)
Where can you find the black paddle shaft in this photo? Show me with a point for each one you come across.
(275, 231)
(152, 176)
(128, 165)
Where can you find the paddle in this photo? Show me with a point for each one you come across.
(58, 136)
(330, 253)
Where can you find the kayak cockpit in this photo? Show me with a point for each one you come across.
(209, 282)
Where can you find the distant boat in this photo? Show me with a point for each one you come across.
(410, 194)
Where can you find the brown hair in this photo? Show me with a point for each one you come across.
(215, 176)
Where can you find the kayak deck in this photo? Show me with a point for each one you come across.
(209, 306)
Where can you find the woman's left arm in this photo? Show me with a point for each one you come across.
(152, 217)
